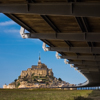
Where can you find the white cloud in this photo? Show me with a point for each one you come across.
(12, 31)
(7, 23)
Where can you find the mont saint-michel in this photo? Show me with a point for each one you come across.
(38, 76)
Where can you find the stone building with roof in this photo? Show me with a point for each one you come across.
(38, 70)
(10, 86)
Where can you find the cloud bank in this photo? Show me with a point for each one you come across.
(12, 31)
(6, 23)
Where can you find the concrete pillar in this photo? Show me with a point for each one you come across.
(96, 88)
(81, 88)
(93, 88)
(88, 88)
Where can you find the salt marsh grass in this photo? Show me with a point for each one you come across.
(45, 94)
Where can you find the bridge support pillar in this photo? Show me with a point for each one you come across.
(88, 88)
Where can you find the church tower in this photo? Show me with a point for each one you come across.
(39, 62)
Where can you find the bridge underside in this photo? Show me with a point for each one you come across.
(70, 27)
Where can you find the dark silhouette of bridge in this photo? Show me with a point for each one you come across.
(70, 27)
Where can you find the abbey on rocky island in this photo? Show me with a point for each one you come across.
(39, 70)
(38, 76)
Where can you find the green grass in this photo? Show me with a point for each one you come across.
(44, 94)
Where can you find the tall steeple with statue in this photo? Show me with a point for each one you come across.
(39, 62)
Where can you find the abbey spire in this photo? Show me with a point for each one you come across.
(39, 59)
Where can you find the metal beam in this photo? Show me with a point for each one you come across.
(17, 20)
(96, 58)
(38, 8)
(80, 23)
(54, 27)
(88, 36)
(70, 0)
(87, 28)
(95, 50)
(75, 9)
(89, 69)
(85, 62)
(31, 1)
(86, 24)
(86, 66)
(69, 44)
(48, 20)
(83, 23)
(78, 0)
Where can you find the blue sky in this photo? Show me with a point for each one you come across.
(17, 54)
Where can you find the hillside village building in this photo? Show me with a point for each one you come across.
(10, 86)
